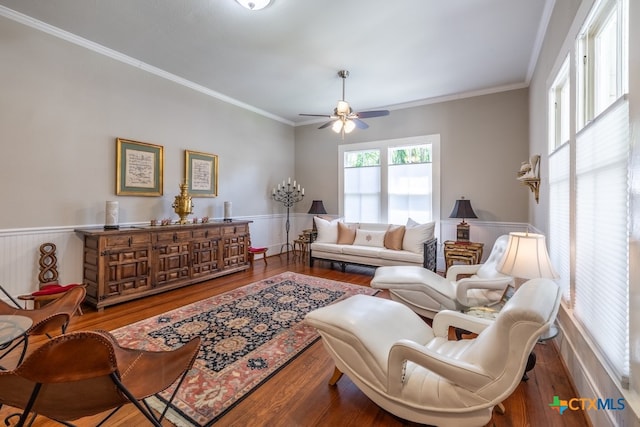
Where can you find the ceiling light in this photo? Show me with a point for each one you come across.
(337, 126)
(254, 4)
(349, 125)
(343, 107)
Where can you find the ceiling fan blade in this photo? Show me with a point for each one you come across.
(326, 125)
(360, 124)
(315, 115)
(369, 114)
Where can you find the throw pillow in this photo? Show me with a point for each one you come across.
(416, 235)
(327, 230)
(412, 223)
(393, 237)
(369, 238)
(346, 233)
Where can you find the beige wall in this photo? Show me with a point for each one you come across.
(61, 108)
(483, 140)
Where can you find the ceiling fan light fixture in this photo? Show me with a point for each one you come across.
(343, 107)
(254, 4)
(344, 119)
(349, 125)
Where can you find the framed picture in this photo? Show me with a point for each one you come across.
(201, 173)
(138, 168)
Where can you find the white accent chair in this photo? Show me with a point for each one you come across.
(414, 371)
(426, 292)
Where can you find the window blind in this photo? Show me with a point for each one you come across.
(602, 250)
(559, 216)
(409, 192)
(362, 194)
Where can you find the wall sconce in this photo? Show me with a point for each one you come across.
(529, 175)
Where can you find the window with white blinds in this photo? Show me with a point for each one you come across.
(390, 181)
(362, 186)
(602, 249)
(559, 216)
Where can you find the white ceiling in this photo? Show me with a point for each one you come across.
(283, 60)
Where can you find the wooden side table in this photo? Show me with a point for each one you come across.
(463, 252)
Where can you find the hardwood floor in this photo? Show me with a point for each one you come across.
(299, 395)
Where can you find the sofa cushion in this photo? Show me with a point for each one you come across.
(363, 251)
(416, 235)
(403, 256)
(327, 247)
(346, 233)
(327, 230)
(394, 237)
(369, 238)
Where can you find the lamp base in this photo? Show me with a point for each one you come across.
(462, 232)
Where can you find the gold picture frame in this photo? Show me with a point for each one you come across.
(139, 168)
(201, 173)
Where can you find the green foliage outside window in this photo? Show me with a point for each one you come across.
(359, 159)
(410, 155)
(398, 156)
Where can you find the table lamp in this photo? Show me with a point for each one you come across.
(317, 208)
(526, 257)
(462, 209)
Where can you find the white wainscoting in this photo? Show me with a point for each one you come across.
(20, 254)
(19, 248)
(480, 231)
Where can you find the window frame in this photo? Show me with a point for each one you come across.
(586, 61)
(383, 146)
(560, 108)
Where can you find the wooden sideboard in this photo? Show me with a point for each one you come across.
(133, 262)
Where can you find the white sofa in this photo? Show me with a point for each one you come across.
(374, 244)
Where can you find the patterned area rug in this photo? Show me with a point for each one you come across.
(248, 334)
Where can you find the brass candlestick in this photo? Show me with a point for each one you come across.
(183, 205)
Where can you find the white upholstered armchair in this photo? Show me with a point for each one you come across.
(426, 292)
(416, 373)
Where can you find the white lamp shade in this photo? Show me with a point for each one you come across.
(337, 126)
(526, 257)
(349, 125)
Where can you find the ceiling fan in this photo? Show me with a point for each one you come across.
(344, 120)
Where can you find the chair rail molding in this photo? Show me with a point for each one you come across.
(19, 248)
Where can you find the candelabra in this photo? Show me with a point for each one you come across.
(288, 194)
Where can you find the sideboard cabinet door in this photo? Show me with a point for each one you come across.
(171, 250)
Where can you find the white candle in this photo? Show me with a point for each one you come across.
(227, 210)
(111, 215)
(289, 180)
(303, 191)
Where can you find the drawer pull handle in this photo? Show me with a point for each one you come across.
(175, 237)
